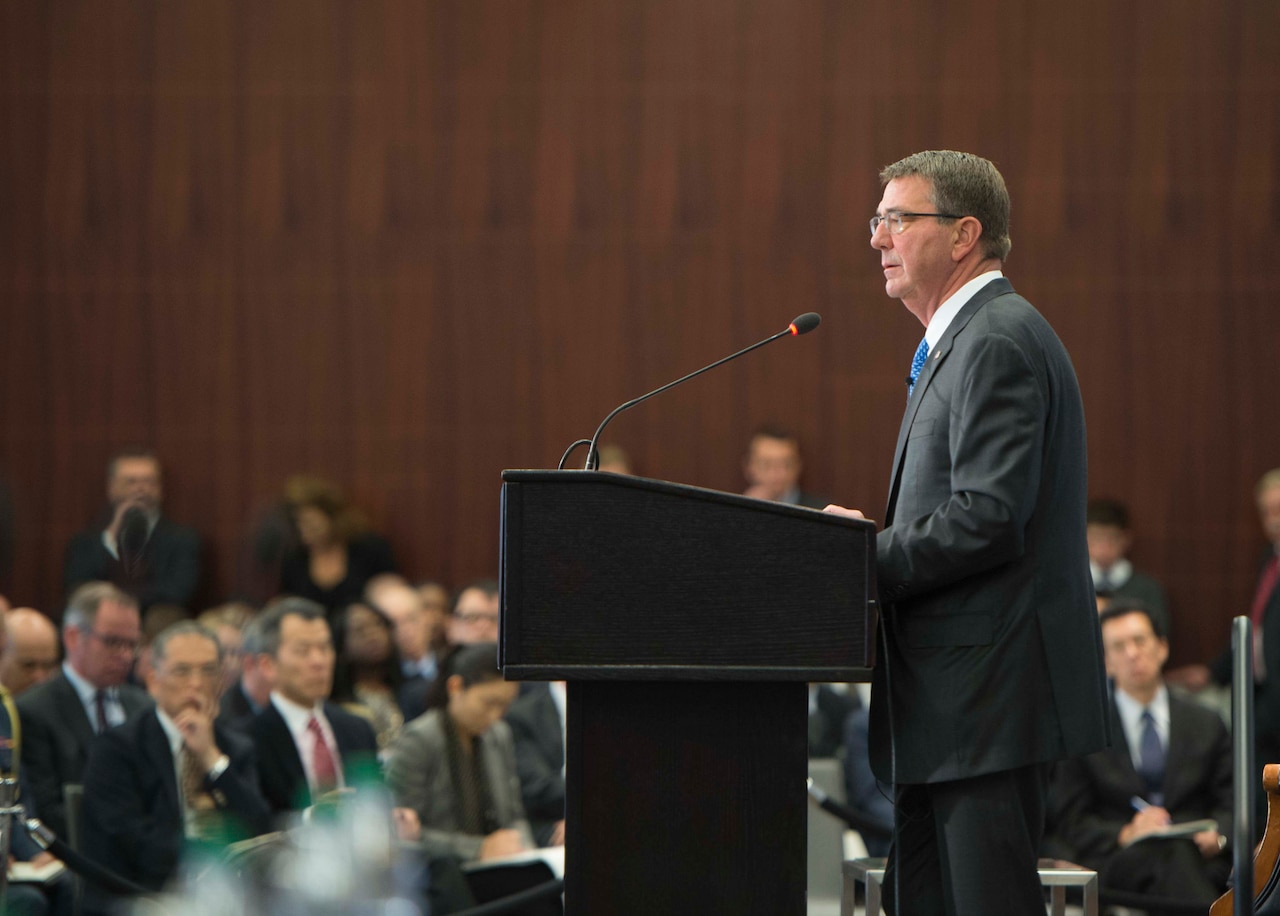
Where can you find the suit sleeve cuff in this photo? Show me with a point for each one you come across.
(219, 767)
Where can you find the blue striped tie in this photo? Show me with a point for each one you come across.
(917, 365)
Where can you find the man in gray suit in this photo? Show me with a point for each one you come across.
(991, 662)
(61, 717)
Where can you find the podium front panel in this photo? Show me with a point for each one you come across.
(612, 577)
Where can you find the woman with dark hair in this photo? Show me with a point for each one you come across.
(367, 679)
(455, 765)
(335, 556)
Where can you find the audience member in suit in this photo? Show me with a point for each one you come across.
(991, 663)
(164, 568)
(1170, 763)
(455, 765)
(306, 746)
(864, 793)
(473, 618)
(227, 622)
(27, 899)
(414, 629)
(336, 556)
(367, 679)
(61, 716)
(537, 722)
(251, 694)
(772, 467)
(30, 654)
(1110, 537)
(1265, 613)
(829, 711)
(169, 774)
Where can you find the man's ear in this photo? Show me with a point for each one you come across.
(967, 232)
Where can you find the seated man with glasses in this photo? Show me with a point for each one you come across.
(61, 717)
(170, 774)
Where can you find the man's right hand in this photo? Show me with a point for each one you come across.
(501, 843)
(1145, 821)
(114, 528)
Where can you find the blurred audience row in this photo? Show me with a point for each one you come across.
(220, 727)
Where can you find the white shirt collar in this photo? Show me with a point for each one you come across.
(295, 716)
(942, 318)
(1121, 571)
(171, 731)
(85, 690)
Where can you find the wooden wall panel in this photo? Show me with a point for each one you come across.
(408, 243)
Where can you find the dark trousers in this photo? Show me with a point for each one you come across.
(1169, 868)
(968, 847)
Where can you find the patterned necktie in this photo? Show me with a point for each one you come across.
(917, 365)
(1151, 759)
(193, 792)
(322, 763)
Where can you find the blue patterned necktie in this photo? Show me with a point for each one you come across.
(1151, 759)
(917, 365)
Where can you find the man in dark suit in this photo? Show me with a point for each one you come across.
(170, 773)
(537, 725)
(159, 562)
(1170, 764)
(305, 745)
(1110, 536)
(27, 899)
(991, 663)
(251, 694)
(60, 717)
(772, 468)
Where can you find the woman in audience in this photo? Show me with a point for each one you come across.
(367, 679)
(455, 765)
(335, 556)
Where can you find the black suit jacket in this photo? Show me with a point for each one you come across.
(1090, 796)
(539, 743)
(170, 564)
(234, 709)
(133, 818)
(56, 735)
(994, 657)
(280, 771)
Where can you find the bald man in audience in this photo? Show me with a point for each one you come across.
(30, 653)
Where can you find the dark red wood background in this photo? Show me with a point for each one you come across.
(409, 244)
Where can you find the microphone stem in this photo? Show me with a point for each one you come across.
(593, 456)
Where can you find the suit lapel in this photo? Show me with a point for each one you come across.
(71, 711)
(285, 754)
(1124, 755)
(155, 747)
(937, 356)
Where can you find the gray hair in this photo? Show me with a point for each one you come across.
(266, 626)
(160, 645)
(82, 607)
(964, 184)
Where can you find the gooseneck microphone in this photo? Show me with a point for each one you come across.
(802, 325)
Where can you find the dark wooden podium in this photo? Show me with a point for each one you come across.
(687, 623)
